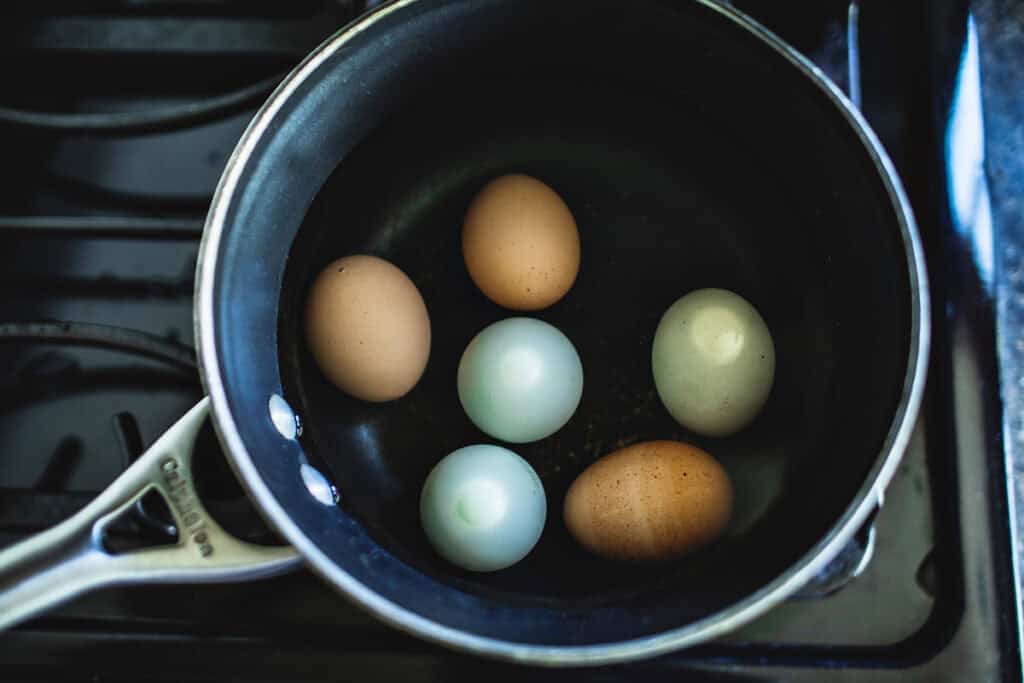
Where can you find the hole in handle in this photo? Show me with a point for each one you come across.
(147, 524)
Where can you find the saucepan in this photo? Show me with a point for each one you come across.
(696, 150)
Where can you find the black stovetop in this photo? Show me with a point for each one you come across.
(114, 125)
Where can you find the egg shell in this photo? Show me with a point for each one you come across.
(713, 361)
(367, 327)
(520, 380)
(649, 502)
(483, 508)
(520, 243)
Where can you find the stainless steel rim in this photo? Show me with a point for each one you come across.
(711, 627)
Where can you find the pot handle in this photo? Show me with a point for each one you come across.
(70, 559)
(850, 563)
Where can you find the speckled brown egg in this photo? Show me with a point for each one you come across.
(520, 243)
(367, 328)
(649, 502)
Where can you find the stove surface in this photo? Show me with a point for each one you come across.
(119, 128)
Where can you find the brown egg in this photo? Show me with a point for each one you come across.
(649, 502)
(367, 327)
(520, 243)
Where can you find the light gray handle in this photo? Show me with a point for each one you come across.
(69, 559)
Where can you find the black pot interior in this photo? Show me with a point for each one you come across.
(692, 155)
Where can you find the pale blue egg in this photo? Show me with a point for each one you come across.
(520, 380)
(483, 508)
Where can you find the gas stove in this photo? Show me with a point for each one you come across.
(116, 121)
